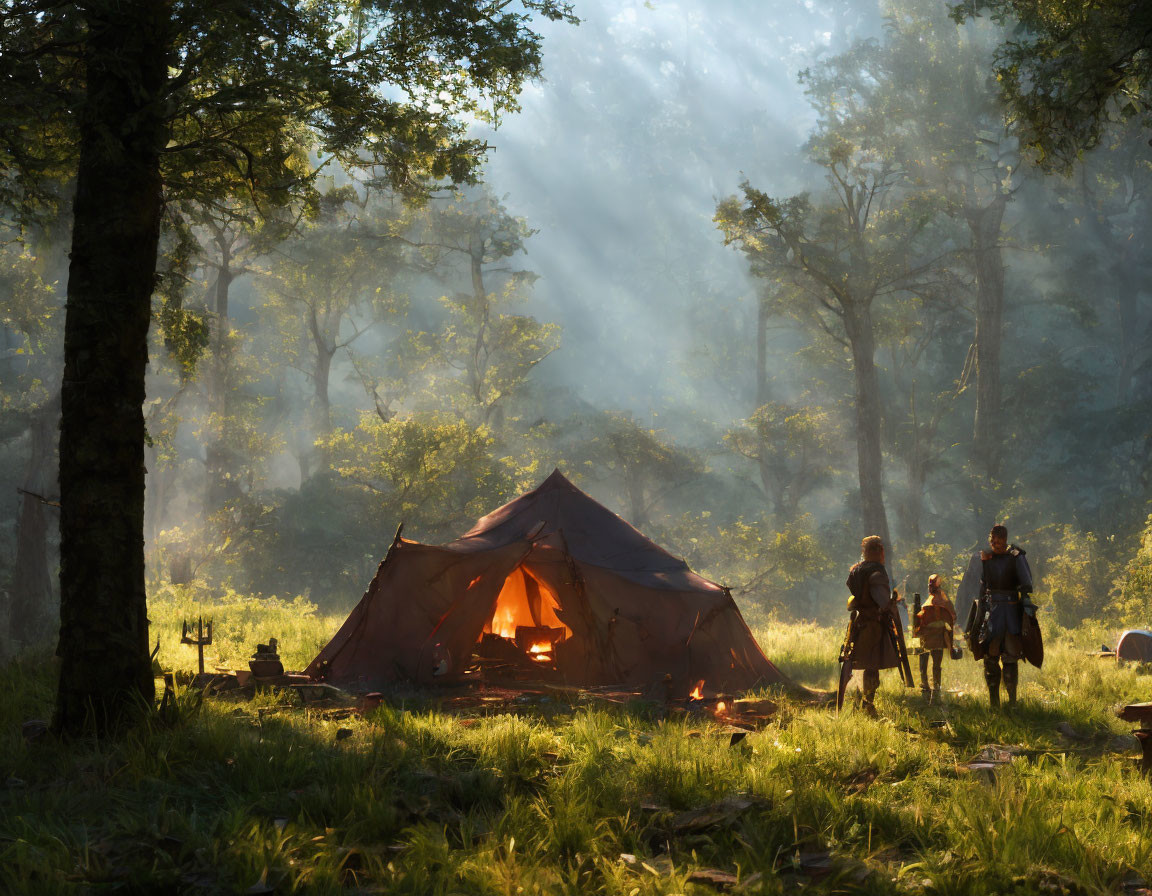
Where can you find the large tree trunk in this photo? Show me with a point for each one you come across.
(33, 612)
(984, 224)
(322, 403)
(478, 366)
(917, 485)
(862, 340)
(762, 351)
(219, 457)
(772, 482)
(918, 453)
(1128, 347)
(1131, 352)
(161, 477)
(105, 672)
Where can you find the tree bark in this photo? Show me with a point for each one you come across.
(323, 373)
(762, 351)
(105, 673)
(1130, 351)
(219, 457)
(478, 369)
(322, 410)
(984, 224)
(862, 341)
(917, 485)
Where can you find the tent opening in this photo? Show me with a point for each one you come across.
(526, 616)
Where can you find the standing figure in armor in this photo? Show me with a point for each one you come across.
(873, 607)
(997, 622)
(933, 626)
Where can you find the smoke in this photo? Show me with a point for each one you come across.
(651, 112)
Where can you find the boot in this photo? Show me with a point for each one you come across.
(992, 677)
(871, 683)
(1011, 677)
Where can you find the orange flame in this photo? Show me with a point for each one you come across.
(504, 622)
(697, 693)
(721, 706)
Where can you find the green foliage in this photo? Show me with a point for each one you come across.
(480, 359)
(185, 334)
(28, 303)
(778, 572)
(432, 470)
(1134, 601)
(1068, 70)
(326, 288)
(1076, 572)
(921, 562)
(644, 466)
(794, 447)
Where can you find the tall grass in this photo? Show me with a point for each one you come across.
(583, 798)
(239, 624)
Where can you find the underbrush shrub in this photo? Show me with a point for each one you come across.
(1134, 600)
(781, 568)
(1075, 572)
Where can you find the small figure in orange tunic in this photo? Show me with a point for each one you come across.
(933, 626)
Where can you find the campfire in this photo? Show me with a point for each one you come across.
(504, 622)
(525, 631)
(538, 641)
(717, 705)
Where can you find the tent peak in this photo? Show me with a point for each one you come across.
(556, 479)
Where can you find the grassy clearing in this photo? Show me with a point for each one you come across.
(548, 800)
(240, 623)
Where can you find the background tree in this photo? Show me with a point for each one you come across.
(29, 417)
(795, 448)
(236, 71)
(643, 467)
(324, 291)
(925, 95)
(489, 353)
(1069, 69)
(861, 242)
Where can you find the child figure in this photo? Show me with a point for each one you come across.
(933, 626)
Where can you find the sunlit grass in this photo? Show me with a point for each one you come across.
(549, 799)
(239, 624)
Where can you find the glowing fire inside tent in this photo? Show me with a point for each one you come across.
(526, 622)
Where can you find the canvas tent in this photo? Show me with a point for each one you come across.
(605, 604)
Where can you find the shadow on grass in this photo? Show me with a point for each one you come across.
(570, 794)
